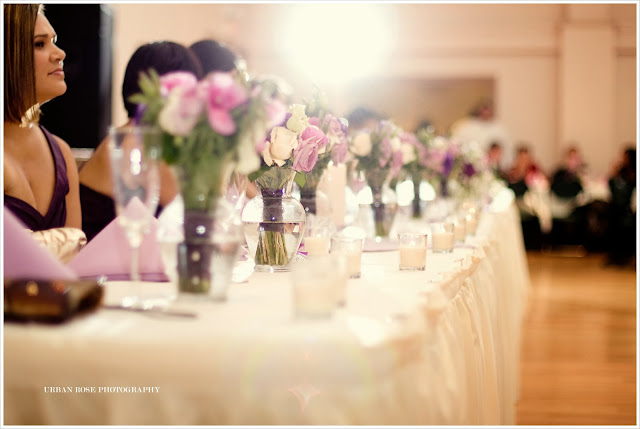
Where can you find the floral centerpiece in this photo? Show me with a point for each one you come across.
(334, 153)
(209, 128)
(377, 154)
(454, 168)
(415, 158)
(274, 222)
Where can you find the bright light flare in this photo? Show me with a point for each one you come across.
(336, 43)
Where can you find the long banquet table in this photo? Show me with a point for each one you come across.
(433, 347)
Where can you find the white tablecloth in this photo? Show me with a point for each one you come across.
(433, 347)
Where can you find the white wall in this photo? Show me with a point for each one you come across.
(522, 47)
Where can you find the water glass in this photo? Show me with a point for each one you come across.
(134, 153)
(319, 287)
(413, 251)
(349, 249)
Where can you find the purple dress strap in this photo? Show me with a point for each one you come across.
(56, 216)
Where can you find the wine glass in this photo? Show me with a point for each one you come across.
(135, 153)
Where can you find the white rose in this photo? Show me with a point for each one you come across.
(408, 153)
(440, 142)
(266, 154)
(283, 142)
(395, 144)
(298, 120)
(361, 144)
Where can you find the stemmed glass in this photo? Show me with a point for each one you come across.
(135, 153)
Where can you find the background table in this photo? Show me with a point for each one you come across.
(433, 347)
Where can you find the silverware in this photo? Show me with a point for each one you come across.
(153, 311)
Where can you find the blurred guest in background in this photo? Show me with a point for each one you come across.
(39, 169)
(214, 56)
(362, 118)
(96, 185)
(531, 187)
(524, 172)
(494, 160)
(566, 181)
(482, 127)
(622, 218)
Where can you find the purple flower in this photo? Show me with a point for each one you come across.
(447, 165)
(223, 95)
(468, 169)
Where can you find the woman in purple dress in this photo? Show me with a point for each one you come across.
(40, 173)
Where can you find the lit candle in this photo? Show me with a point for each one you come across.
(354, 262)
(471, 224)
(443, 242)
(413, 258)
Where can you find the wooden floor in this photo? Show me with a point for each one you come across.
(578, 362)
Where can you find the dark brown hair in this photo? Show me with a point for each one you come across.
(19, 73)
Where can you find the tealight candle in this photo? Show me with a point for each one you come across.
(460, 231)
(413, 251)
(442, 236)
(471, 223)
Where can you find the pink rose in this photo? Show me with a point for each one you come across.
(306, 155)
(385, 151)
(177, 79)
(276, 112)
(339, 152)
(182, 110)
(396, 163)
(224, 95)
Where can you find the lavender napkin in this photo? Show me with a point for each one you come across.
(24, 258)
(109, 254)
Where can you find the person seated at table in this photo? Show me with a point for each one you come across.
(40, 173)
(566, 182)
(96, 186)
(362, 118)
(621, 245)
(529, 185)
(524, 172)
(216, 56)
(494, 159)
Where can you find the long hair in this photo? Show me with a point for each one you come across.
(20, 102)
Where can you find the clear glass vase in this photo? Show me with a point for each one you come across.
(212, 237)
(384, 206)
(274, 224)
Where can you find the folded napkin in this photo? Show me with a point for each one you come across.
(24, 258)
(109, 254)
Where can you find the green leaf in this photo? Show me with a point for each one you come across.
(300, 178)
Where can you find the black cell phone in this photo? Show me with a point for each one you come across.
(49, 301)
